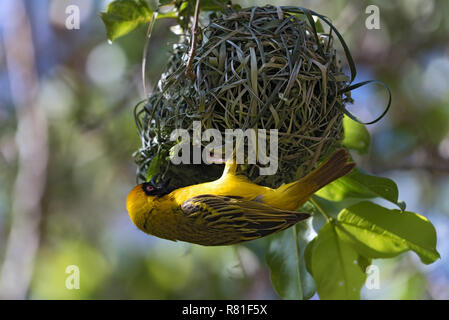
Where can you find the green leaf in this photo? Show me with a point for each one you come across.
(334, 266)
(259, 247)
(363, 262)
(318, 218)
(308, 255)
(167, 15)
(166, 2)
(213, 5)
(123, 16)
(319, 26)
(285, 259)
(378, 232)
(356, 136)
(154, 167)
(206, 5)
(323, 210)
(361, 186)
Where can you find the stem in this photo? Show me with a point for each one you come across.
(195, 31)
(145, 52)
(297, 251)
(320, 209)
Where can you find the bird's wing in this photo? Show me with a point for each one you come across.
(238, 218)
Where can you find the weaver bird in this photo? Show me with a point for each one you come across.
(230, 209)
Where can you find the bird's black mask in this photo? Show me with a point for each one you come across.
(152, 188)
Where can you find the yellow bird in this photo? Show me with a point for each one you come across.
(230, 209)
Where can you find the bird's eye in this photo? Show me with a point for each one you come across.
(148, 188)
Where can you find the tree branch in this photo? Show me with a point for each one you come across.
(195, 31)
(32, 143)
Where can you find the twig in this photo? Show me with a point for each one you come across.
(320, 209)
(195, 31)
(145, 52)
(32, 142)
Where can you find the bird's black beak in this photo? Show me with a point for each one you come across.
(162, 188)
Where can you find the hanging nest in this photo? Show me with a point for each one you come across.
(261, 67)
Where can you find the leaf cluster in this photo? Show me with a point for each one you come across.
(351, 231)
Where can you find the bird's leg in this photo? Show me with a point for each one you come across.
(230, 167)
(231, 163)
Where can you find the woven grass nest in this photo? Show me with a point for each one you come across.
(261, 67)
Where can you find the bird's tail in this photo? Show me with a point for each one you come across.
(293, 195)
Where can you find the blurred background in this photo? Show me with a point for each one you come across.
(67, 135)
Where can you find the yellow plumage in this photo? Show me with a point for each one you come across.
(231, 209)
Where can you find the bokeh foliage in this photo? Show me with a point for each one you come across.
(92, 138)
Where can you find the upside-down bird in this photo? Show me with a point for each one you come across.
(230, 209)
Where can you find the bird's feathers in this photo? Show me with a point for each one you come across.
(293, 195)
(244, 219)
(230, 209)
